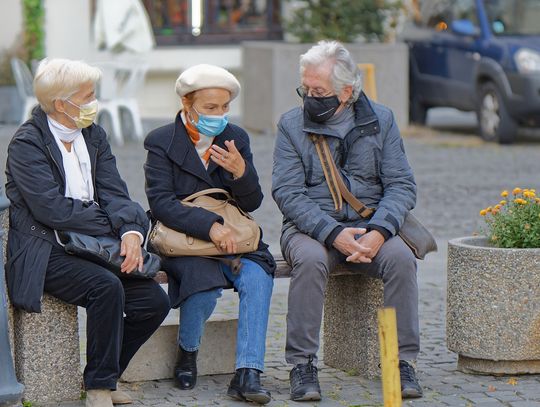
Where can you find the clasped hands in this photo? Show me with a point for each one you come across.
(359, 249)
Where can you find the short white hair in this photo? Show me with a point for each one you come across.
(345, 71)
(59, 79)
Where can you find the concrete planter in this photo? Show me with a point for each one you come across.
(493, 307)
(271, 75)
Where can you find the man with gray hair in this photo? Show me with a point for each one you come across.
(320, 230)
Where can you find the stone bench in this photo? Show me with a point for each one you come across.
(350, 333)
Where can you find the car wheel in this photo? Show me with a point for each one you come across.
(417, 111)
(494, 121)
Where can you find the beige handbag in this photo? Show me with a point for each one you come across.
(171, 243)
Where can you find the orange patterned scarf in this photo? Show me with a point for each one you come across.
(194, 135)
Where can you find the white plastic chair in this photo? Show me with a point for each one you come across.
(24, 81)
(107, 96)
(117, 91)
(127, 98)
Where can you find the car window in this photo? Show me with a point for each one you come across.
(513, 17)
(439, 14)
(465, 10)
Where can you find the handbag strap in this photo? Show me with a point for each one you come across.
(208, 191)
(334, 180)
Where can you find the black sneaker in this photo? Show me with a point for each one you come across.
(305, 382)
(410, 389)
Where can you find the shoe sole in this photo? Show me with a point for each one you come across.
(254, 397)
(309, 396)
(411, 394)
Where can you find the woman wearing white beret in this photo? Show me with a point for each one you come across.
(201, 150)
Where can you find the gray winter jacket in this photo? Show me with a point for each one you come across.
(373, 165)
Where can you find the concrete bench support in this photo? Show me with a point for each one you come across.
(46, 349)
(156, 358)
(350, 336)
(47, 356)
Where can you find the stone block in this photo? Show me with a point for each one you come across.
(351, 341)
(47, 357)
(156, 358)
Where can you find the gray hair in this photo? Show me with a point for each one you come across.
(59, 79)
(345, 71)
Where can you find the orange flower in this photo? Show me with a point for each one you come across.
(516, 191)
(502, 203)
(504, 193)
(483, 212)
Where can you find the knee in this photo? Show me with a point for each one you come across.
(108, 286)
(254, 277)
(313, 261)
(401, 264)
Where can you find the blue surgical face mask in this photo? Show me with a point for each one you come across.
(210, 125)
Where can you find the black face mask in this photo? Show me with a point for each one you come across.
(319, 110)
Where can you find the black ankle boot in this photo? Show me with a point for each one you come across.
(246, 386)
(185, 370)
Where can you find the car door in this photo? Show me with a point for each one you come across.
(463, 42)
(428, 56)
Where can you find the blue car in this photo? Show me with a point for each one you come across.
(477, 55)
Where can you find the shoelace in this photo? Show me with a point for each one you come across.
(407, 372)
(308, 373)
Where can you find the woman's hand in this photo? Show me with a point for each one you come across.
(223, 238)
(230, 160)
(131, 249)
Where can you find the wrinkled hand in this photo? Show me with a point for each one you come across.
(373, 240)
(230, 160)
(131, 249)
(347, 244)
(223, 238)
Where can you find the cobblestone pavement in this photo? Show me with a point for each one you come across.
(457, 174)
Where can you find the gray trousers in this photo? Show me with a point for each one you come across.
(311, 264)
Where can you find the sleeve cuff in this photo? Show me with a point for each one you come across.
(385, 232)
(133, 232)
(329, 241)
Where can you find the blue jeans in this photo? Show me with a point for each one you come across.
(254, 286)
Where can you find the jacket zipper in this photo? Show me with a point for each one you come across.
(56, 163)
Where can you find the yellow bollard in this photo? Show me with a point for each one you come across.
(388, 342)
(368, 86)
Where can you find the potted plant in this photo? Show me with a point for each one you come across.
(271, 74)
(493, 303)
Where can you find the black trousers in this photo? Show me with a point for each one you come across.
(122, 313)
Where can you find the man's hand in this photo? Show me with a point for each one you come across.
(372, 241)
(347, 244)
(131, 249)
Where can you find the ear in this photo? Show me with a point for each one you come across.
(345, 93)
(59, 105)
(186, 102)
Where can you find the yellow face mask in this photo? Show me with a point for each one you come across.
(87, 113)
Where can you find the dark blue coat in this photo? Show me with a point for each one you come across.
(174, 171)
(35, 187)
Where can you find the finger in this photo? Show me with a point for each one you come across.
(218, 161)
(358, 231)
(230, 247)
(231, 146)
(218, 150)
(122, 248)
(234, 246)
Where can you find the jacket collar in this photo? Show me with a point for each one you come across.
(364, 117)
(40, 120)
(182, 152)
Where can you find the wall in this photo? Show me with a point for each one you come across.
(11, 21)
(271, 76)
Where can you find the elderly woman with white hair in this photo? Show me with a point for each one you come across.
(202, 150)
(62, 176)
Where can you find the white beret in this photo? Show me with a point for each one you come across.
(206, 76)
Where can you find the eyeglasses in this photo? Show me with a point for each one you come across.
(302, 91)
